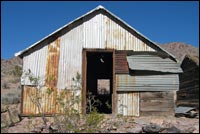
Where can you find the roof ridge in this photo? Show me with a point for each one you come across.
(100, 7)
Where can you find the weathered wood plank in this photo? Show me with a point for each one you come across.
(157, 101)
(157, 95)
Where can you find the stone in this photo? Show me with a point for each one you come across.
(173, 129)
(152, 128)
(157, 121)
(36, 130)
(53, 127)
(3, 109)
(114, 128)
(5, 120)
(190, 130)
(14, 115)
(137, 129)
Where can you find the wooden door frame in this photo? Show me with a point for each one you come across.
(84, 78)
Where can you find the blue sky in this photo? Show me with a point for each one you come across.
(24, 23)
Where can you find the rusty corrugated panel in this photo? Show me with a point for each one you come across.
(49, 101)
(128, 103)
(121, 64)
(147, 82)
(52, 63)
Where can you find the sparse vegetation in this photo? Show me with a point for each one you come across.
(70, 120)
(5, 86)
(17, 71)
(93, 121)
(13, 97)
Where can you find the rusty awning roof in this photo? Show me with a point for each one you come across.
(152, 62)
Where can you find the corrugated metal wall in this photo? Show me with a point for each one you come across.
(70, 57)
(94, 32)
(120, 39)
(52, 64)
(36, 62)
(128, 103)
(98, 32)
(165, 82)
(51, 102)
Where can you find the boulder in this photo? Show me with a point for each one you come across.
(173, 129)
(14, 114)
(136, 129)
(5, 120)
(152, 128)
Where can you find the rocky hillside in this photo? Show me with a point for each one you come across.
(8, 65)
(180, 49)
(10, 80)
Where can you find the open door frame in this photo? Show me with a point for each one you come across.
(84, 78)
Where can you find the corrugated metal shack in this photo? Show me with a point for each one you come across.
(118, 64)
(188, 94)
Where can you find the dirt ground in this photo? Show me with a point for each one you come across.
(116, 124)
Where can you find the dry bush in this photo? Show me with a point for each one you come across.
(12, 97)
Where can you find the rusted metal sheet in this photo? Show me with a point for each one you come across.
(165, 82)
(121, 64)
(52, 64)
(128, 103)
(152, 62)
(51, 102)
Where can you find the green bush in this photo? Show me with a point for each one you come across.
(17, 71)
(92, 121)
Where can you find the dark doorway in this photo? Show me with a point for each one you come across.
(99, 80)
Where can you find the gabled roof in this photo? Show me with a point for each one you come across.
(20, 53)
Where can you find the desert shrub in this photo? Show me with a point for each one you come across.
(17, 71)
(13, 97)
(5, 86)
(92, 121)
(15, 80)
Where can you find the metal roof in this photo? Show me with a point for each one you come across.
(153, 62)
(182, 109)
(79, 18)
